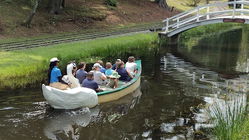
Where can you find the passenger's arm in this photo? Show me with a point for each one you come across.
(129, 74)
(103, 77)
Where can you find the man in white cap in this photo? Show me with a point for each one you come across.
(99, 77)
(54, 75)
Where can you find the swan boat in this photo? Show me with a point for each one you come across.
(85, 97)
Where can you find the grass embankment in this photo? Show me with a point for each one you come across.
(24, 67)
(191, 37)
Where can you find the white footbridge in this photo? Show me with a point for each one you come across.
(220, 12)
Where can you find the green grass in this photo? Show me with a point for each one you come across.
(29, 66)
(229, 118)
(185, 5)
(191, 37)
(244, 133)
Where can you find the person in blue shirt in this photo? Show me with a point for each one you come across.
(90, 83)
(125, 75)
(55, 76)
(109, 69)
(81, 73)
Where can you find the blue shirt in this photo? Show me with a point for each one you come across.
(81, 75)
(114, 66)
(55, 73)
(102, 70)
(124, 74)
(109, 72)
(89, 83)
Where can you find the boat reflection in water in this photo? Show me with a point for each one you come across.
(69, 124)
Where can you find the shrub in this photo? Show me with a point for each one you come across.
(111, 3)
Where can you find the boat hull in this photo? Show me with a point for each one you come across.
(119, 94)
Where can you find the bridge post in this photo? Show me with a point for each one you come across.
(208, 13)
(234, 8)
(242, 7)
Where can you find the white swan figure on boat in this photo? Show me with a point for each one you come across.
(70, 77)
(72, 98)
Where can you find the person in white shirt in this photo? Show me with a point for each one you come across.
(99, 77)
(131, 66)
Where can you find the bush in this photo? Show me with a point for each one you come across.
(111, 3)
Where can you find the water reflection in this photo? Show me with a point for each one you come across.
(68, 124)
(225, 52)
(225, 91)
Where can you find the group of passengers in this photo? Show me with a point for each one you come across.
(100, 75)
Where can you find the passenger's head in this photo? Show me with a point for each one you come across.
(54, 62)
(96, 66)
(82, 65)
(89, 75)
(131, 59)
(120, 65)
(100, 62)
(108, 65)
(118, 61)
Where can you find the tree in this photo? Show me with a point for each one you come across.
(28, 21)
(55, 6)
(162, 3)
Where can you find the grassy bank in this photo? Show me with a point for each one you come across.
(191, 37)
(230, 119)
(25, 67)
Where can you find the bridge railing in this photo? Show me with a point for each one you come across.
(231, 10)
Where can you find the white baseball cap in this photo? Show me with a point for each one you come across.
(54, 59)
(97, 65)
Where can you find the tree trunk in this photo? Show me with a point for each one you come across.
(163, 4)
(55, 6)
(32, 14)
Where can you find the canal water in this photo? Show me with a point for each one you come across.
(177, 85)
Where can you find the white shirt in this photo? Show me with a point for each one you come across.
(97, 77)
(131, 67)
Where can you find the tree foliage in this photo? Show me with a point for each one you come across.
(194, 2)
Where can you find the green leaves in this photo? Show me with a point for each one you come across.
(113, 3)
